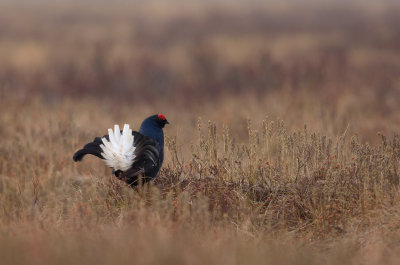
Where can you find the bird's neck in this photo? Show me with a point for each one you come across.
(154, 133)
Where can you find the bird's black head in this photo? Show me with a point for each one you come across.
(159, 119)
(153, 127)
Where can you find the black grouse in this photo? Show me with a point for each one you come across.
(129, 153)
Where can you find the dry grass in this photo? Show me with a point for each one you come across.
(219, 198)
(244, 181)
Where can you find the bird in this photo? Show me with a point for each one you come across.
(133, 156)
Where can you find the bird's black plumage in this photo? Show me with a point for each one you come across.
(148, 153)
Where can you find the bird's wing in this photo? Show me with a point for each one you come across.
(146, 162)
(146, 148)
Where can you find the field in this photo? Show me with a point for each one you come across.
(283, 146)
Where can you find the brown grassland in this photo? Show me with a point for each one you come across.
(283, 146)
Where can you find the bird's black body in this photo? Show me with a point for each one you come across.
(148, 154)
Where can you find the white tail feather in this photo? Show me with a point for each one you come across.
(119, 152)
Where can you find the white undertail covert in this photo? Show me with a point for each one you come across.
(119, 152)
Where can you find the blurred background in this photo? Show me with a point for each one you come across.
(330, 64)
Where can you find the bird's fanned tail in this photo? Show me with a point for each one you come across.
(118, 150)
(92, 148)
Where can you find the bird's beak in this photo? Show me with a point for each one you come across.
(166, 122)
